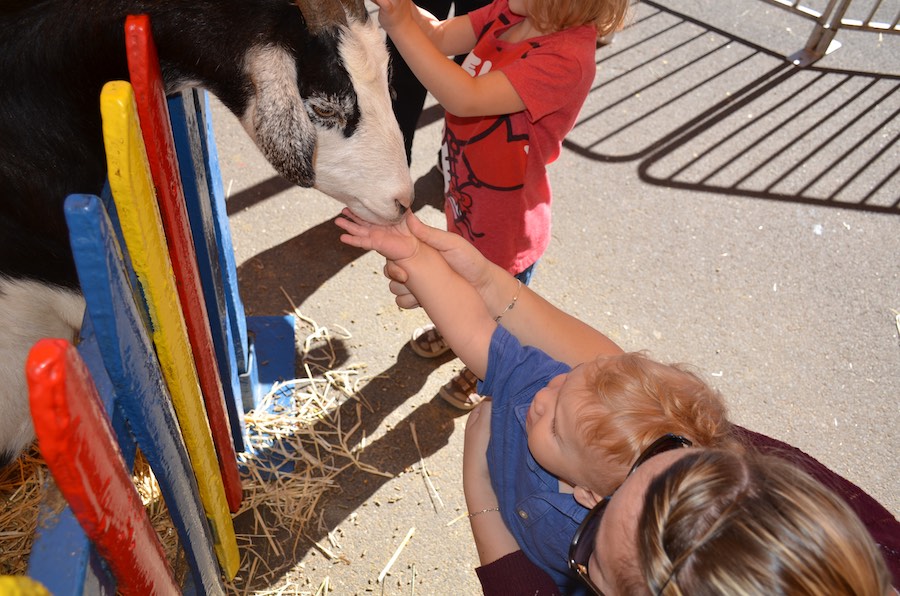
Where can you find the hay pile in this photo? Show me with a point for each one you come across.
(21, 490)
(309, 435)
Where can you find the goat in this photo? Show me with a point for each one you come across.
(307, 80)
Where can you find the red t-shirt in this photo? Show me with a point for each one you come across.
(495, 167)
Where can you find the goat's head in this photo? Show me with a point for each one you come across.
(321, 113)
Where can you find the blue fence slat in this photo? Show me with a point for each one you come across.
(223, 231)
(186, 133)
(134, 372)
(62, 558)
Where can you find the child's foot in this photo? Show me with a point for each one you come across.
(461, 391)
(427, 342)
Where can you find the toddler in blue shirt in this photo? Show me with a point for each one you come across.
(561, 439)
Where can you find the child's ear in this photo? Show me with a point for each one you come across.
(586, 497)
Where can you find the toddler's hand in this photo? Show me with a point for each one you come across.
(460, 254)
(393, 12)
(393, 242)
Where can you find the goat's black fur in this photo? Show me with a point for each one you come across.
(55, 57)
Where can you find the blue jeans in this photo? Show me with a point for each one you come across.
(526, 275)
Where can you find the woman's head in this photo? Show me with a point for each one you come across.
(704, 521)
(606, 16)
(637, 400)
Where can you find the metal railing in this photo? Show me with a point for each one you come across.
(861, 15)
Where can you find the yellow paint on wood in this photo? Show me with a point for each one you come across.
(135, 199)
(17, 585)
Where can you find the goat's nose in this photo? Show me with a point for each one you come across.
(401, 208)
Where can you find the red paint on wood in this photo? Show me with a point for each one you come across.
(149, 91)
(77, 441)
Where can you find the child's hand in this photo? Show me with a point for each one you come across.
(393, 242)
(461, 255)
(393, 12)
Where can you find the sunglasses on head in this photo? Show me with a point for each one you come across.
(584, 542)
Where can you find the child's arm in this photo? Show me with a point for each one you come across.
(492, 538)
(452, 37)
(454, 306)
(533, 320)
(425, 44)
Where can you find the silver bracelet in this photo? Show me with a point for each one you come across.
(471, 515)
(512, 304)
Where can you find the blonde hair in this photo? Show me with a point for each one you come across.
(640, 400)
(550, 16)
(717, 522)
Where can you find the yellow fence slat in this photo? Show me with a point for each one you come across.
(17, 585)
(135, 199)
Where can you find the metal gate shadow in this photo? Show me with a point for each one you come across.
(701, 109)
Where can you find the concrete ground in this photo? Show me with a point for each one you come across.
(713, 205)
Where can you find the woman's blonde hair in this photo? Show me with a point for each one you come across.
(719, 522)
(550, 16)
(639, 400)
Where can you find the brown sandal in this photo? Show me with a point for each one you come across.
(427, 342)
(462, 391)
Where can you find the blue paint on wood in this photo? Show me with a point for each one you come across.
(273, 341)
(186, 132)
(62, 558)
(223, 229)
(272, 345)
(134, 372)
(89, 351)
(249, 380)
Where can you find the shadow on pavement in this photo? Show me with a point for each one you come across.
(705, 110)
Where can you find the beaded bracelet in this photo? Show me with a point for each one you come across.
(512, 304)
(471, 515)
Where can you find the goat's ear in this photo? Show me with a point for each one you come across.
(320, 14)
(278, 121)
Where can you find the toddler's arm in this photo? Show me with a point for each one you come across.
(452, 303)
(533, 320)
(425, 44)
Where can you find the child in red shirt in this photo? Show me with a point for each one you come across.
(508, 107)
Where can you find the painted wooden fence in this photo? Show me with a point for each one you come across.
(166, 362)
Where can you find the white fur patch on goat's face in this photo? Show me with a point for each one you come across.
(358, 157)
(276, 118)
(367, 170)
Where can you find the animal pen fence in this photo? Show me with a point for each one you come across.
(873, 16)
(166, 361)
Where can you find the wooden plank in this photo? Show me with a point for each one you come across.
(62, 558)
(223, 230)
(186, 130)
(11, 585)
(133, 193)
(134, 371)
(149, 91)
(275, 347)
(77, 441)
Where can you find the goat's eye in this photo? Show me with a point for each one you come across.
(323, 112)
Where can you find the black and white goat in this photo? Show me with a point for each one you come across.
(306, 78)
